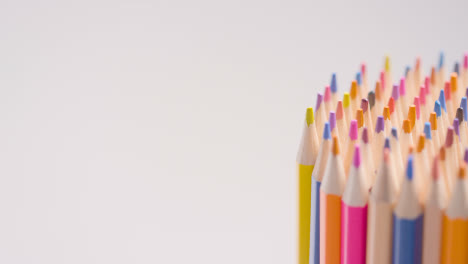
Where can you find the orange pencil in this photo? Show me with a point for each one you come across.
(455, 224)
(331, 190)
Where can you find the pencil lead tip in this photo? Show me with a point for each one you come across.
(353, 90)
(339, 110)
(346, 100)
(327, 94)
(442, 100)
(462, 171)
(407, 69)
(386, 156)
(402, 90)
(449, 137)
(365, 135)
(360, 118)
(357, 156)
(335, 146)
(378, 90)
(421, 142)
(459, 114)
(371, 99)
(353, 130)
(363, 68)
(456, 68)
(433, 120)
(465, 156)
(427, 130)
(387, 143)
(332, 120)
(463, 105)
(433, 75)
(456, 127)
(380, 125)
(326, 131)
(333, 86)
(391, 105)
(418, 107)
(358, 78)
(441, 60)
(406, 126)
(409, 168)
(453, 81)
(318, 103)
(395, 132)
(310, 116)
(386, 113)
(447, 91)
(437, 108)
(412, 115)
(364, 105)
(387, 63)
(395, 92)
(422, 95)
(442, 153)
(465, 61)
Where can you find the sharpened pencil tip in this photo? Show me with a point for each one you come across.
(365, 135)
(449, 137)
(378, 90)
(442, 100)
(427, 130)
(335, 146)
(333, 86)
(353, 130)
(441, 60)
(310, 116)
(319, 101)
(386, 113)
(360, 118)
(409, 168)
(326, 131)
(364, 105)
(463, 105)
(371, 99)
(442, 153)
(402, 86)
(454, 81)
(387, 143)
(327, 94)
(462, 171)
(346, 100)
(391, 105)
(456, 127)
(433, 120)
(332, 120)
(421, 141)
(406, 126)
(437, 108)
(387, 63)
(353, 91)
(358, 78)
(412, 116)
(339, 110)
(395, 132)
(357, 156)
(465, 156)
(395, 92)
(380, 125)
(459, 114)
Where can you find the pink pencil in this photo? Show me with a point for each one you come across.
(354, 214)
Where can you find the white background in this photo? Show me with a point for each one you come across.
(166, 131)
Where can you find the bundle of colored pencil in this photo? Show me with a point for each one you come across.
(381, 172)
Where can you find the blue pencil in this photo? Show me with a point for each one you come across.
(407, 223)
(317, 176)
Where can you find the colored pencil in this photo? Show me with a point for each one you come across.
(306, 159)
(433, 212)
(317, 176)
(455, 224)
(407, 222)
(368, 160)
(353, 136)
(331, 190)
(380, 221)
(354, 214)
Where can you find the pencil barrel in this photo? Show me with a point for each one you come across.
(379, 233)
(330, 228)
(314, 252)
(407, 240)
(455, 241)
(353, 234)
(304, 181)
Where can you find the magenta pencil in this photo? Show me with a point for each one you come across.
(354, 215)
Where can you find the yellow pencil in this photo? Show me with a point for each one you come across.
(306, 158)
